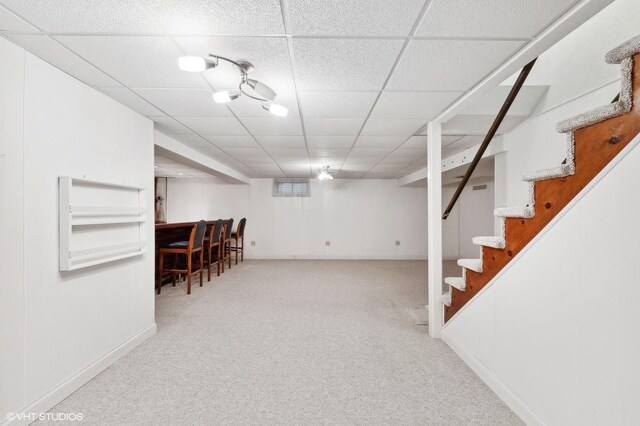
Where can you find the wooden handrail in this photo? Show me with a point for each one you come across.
(490, 134)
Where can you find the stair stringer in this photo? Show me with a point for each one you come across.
(601, 134)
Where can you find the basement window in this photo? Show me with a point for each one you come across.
(290, 187)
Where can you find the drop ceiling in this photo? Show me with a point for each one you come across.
(360, 78)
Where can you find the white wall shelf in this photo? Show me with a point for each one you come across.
(100, 222)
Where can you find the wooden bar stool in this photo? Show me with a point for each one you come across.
(238, 238)
(188, 248)
(226, 243)
(212, 247)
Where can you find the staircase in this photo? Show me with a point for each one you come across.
(594, 139)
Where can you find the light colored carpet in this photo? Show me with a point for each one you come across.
(292, 342)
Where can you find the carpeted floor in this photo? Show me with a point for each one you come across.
(292, 343)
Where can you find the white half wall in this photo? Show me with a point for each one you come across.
(61, 329)
(555, 334)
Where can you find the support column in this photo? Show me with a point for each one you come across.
(434, 226)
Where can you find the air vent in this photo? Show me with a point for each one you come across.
(479, 187)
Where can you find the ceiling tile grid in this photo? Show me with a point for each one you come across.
(359, 78)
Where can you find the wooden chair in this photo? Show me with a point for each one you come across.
(238, 238)
(213, 248)
(187, 248)
(226, 243)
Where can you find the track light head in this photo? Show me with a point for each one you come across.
(324, 173)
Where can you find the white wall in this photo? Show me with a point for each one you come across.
(64, 327)
(361, 218)
(11, 228)
(579, 80)
(556, 334)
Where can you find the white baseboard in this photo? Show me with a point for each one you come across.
(75, 382)
(504, 392)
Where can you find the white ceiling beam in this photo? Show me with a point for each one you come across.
(457, 160)
(174, 150)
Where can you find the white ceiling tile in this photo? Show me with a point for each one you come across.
(345, 174)
(330, 141)
(368, 154)
(331, 104)
(380, 175)
(245, 107)
(281, 141)
(273, 126)
(249, 155)
(478, 124)
(396, 162)
(524, 104)
(386, 168)
(269, 56)
(140, 62)
(391, 127)
(333, 162)
(206, 17)
(232, 141)
(214, 125)
(128, 98)
(170, 126)
(291, 154)
(10, 22)
(417, 142)
(266, 170)
(449, 65)
(490, 18)
(466, 142)
(361, 163)
(350, 166)
(292, 169)
(424, 105)
(194, 141)
(61, 57)
(332, 126)
(353, 17)
(328, 152)
(343, 64)
(185, 102)
(410, 153)
(388, 142)
(86, 16)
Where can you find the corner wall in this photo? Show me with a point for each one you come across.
(64, 328)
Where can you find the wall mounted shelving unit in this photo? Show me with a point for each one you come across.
(100, 222)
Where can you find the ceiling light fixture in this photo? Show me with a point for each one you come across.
(324, 173)
(224, 96)
(258, 90)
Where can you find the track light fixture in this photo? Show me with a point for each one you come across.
(258, 90)
(324, 173)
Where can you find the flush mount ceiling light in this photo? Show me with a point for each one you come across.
(250, 88)
(324, 174)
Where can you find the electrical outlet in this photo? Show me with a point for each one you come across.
(253, 243)
(327, 243)
(397, 242)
